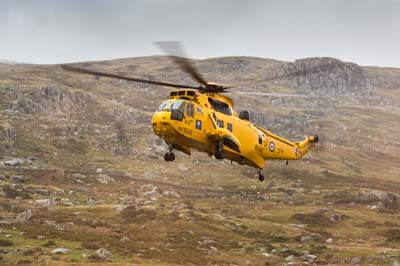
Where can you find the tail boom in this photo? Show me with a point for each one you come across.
(280, 148)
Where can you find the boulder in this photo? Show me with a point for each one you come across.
(13, 162)
(47, 202)
(79, 176)
(105, 179)
(103, 253)
(60, 251)
(18, 179)
(91, 202)
(125, 239)
(23, 217)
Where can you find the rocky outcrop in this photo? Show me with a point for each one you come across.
(51, 99)
(382, 198)
(23, 217)
(8, 136)
(323, 75)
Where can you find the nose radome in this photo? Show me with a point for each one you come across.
(159, 121)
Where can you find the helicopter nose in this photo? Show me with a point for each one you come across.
(159, 122)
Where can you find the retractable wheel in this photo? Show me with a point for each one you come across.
(169, 156)
(219, 151)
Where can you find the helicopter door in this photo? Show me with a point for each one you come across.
(189, 113)
(198, 116)
(190, 109)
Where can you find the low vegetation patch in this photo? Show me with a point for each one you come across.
(49, 243)
(13, 192)
(136, 215)
(315, 219)
(393, 235)
(6, 243)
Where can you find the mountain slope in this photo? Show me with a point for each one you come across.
(89, 163)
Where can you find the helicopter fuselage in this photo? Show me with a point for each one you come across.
(206, 121)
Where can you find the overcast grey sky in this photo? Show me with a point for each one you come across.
(366, 32)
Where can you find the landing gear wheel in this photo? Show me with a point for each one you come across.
(169, 156)
(219, 155)
(260, 176)
(219, 150)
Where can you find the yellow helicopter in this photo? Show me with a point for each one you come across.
(202, 118)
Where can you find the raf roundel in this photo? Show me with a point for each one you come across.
(271, 146)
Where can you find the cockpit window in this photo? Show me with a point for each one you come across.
(166, 105)
(171, 104)
(177, 110)
(177, 105)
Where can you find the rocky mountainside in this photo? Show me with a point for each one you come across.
(83, 180)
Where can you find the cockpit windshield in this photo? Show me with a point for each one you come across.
(177, 104)
(166, 105)
(170, 105)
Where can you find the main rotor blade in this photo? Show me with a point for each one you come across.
(111, 75)
(175, 51)
(273, 94)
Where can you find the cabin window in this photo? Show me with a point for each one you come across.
(229, 127)
(173, 93)
(260, 138)
(199, 110)
(190, 109)
(181, 93)
(191, 93)
(220, 123)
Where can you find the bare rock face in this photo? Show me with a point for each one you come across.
(8, 136)
(51, 99)
(381, 199)
(23, 217)
(326, 75)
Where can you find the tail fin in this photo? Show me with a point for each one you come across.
(306, 145)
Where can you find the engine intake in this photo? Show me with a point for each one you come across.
(244, 115)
